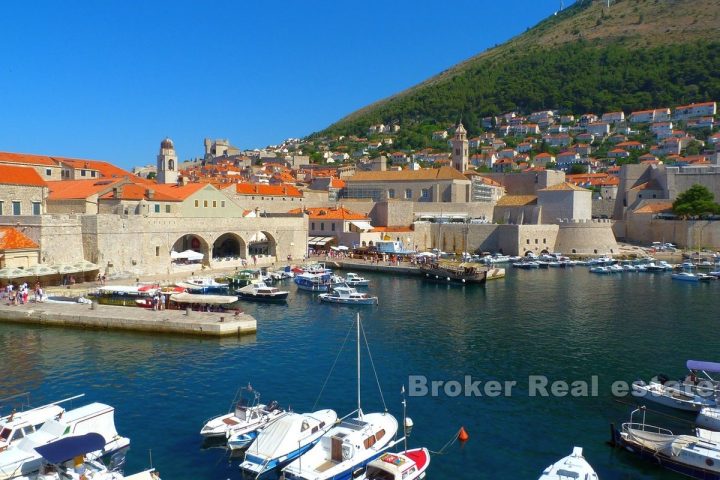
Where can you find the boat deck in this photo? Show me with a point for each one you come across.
(110, 317)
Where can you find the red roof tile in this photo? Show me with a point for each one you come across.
(335, 213)
(12, 175)
(12, 239)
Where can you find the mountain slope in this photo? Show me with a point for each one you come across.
(636, 54)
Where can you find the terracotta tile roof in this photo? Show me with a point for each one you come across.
(335, 213)
(79, 189)
(12, 239)
(283, 190)
(654, 207)
(135, 191)
(27, 158)
(337, 183)
(442, 173)
(543, 155)
(180, 192)
(516, 200)
(565, 186)
(12, 175)
(392, 229)
(106, 169)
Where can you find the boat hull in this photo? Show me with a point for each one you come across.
(279, 298)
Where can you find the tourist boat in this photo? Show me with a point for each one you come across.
(355, 280)
(347, 296)
(18, 425)
(673, 396)
(286, 440)
(317, 282)
(247, 415)
(346, 449)
(697, 456)
(203, 285)
(463, 274)
(709, 417)
(685, 277)
(59, 461)
(407, 465)
(259, 292)
(573, 466)
(23, 458)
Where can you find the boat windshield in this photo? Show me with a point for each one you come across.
(562, 473)
(5, 434)
(374, 473)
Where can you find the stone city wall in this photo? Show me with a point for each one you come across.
(587, 238)
(691, 234)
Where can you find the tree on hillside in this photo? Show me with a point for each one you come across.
(697, 201)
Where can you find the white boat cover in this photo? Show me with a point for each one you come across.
(209, 299)
(282, 436)
(187, 254)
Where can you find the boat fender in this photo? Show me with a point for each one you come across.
(463, 435)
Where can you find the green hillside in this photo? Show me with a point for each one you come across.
(588, 58)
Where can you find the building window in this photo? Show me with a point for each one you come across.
(157, 251)
(425, 194)
(197, 203)
(16, 208)
(48, 172)
(322, 226)
(205, 203)
(157, 208)
(536, 241)
(333, 227)
(82, 173)
(214, 203)
(167, 208)
(391, 193)
(36, 208)
(222, 203)
(544, 240)
(408, 193)
(92, 173)
(2, 204)
(528, 241)
(312, 226)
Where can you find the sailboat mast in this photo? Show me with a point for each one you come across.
(358, 366)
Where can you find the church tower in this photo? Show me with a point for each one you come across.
(167, 163)
(460, 154)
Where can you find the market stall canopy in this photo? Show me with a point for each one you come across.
(204, 299)
(10, 273)
(186, 255)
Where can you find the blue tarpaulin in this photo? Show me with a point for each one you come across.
(705, 366)
(68, 448)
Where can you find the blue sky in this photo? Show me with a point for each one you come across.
(109, 80)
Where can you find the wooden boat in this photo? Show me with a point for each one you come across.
(444, 273)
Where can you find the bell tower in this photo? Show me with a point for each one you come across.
(167, 163)
(460, 155)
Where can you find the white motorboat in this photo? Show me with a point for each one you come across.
(348, 296)
(685, 277)
(709, 417)
(286, 440)
(59, 461)
(601, 269)
(317, 282)
(681, 397)
(526, 265)
(407, 465)
(573, 466)
(247, 415)
(18, 425)
(203, 285)
(696, 456)
(260, 292)
(346, 449)
(355, 280)
(23, 459)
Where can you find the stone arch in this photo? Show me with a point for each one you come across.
(529, 252)
(262, 243)
(194, 242)
(544, 251)
(229, 245)
(171, 164)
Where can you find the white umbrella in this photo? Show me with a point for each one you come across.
(64, 268)
(85, 266)
(39, 271)
(11, 272)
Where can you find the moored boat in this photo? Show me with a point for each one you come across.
(685, 277)
(203, 285)
(678, 396)
(355, 280)
(408, 465)
(709, 417)
(259, 292)
(246, 415)
(347, 296)
(317, 282)
(460, 274)
(573, 466)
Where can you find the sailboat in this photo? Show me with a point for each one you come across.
(346, 449)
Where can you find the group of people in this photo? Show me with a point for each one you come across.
(21, 294)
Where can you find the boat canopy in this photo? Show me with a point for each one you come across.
(207, 299)
(704, 366)
(70, 447)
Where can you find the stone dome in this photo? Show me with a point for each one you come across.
(167, 143)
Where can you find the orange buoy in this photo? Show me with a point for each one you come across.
(463, 435)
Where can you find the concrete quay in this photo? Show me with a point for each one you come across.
(402, 269)
(109, 317)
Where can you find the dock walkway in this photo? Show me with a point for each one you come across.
(109, 317)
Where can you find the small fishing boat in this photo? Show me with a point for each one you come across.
(573, 466)
(247, 415)
(259, 292)
(347, 296)
(355, 280)
(407, 465)
(285, 440)
(317, 282)
(203, 285)
(696, 456)
(17, 425)
(59, 461)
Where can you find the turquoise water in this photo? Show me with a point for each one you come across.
(564, 324)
